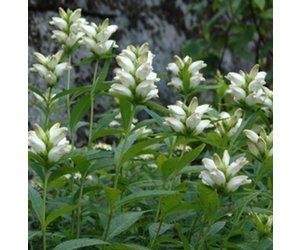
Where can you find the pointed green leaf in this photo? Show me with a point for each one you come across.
(78, 243)
(79, 110)
(59, 212)
(36, 201)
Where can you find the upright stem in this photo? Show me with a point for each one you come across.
(48, 109)
(68, 104)
(44, 213)
(79, 208)
(92, 105)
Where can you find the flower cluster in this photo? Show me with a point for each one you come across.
(96, 38)
(228, 125)
(187, 120)
(221, 175)
(51, 144)
(69, 27)
(260, 145)
(249, 88)
(186, 74)
(136, 76)
(50, 68)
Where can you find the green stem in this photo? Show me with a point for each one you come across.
(110, 214)
(68, 104)
(44, 213)
(48, 109)
(79, 208)
(92, 105)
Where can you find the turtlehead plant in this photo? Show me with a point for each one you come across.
(135, 75)
(221, 174)
(260, 145)
(68, 26)
(249, 89)
(186, 74)
(97, 37)
(51, 144)
(49, 67)
(229, 124)
(187, 120)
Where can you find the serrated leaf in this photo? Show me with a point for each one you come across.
(78, 243)
(36, 201)
(59, 212)
(122, 222)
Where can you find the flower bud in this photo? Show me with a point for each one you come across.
(236, 182)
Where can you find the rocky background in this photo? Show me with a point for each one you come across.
(165, 24)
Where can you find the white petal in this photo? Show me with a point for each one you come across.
(173, 68)
(217, 176)
(120, 89)
(128, 53)
(176, 124)
(201, 126)
(89, 30)
(176, 110)
(193, 121)
(202, 109)
(236, 166)
(196, 66)
(60, 68)
(125, 78)
(226, 157)
(75, 15)
(176, 82)
(236, 78)
(59, 23)
(143, 71)
(236, 182)
(57, 152)
(209, 164)
(206, 178)
(251, 135)
(35, 142)
(237, 92)
(195, 80)
(125, 63)
(56, 134)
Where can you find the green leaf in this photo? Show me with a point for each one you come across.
(137, 148)
(145, 194)
(260, 3)
(59, 212)
(77, 90)
(33, 234)
(126, 109)
(209, 201)
(37, 203)
(81, 163)
(174, 165)
(104, 122)
(61, 171)
(119, 246)
(37, 169)
(101, 78)
(78, 243)
(79, 110)
(106, 132)
(215, 228)
(157, 107)
(154, 227)
(122, 222)
(112, 194)
(36, 91)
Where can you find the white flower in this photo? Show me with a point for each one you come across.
(186, 68)
(220, 173)
(120, 89)
(176, 124)
(136, 76)
(237, 181)
(57, 152)
(190, 117)
(248, 88)
(125, 63)
(96, 38)
(51, 144)
(229, 124)
(37, 145)
(260, 145)
(68, 33)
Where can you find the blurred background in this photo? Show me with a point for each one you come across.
(228, 35)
